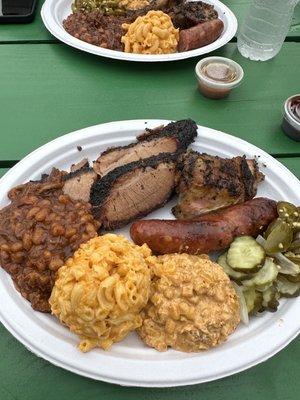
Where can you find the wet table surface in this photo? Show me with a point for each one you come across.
(48, 89)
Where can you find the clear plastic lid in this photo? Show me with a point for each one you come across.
(219, 72)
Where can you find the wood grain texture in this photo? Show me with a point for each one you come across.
(37, 32)
(49, 90)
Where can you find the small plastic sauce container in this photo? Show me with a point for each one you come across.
(291, 117)
(217, 76)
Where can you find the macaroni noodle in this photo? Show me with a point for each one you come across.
(152, 33)
(101, 290)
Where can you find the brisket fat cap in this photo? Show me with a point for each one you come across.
(174, 137)
(206, 183)
(185, 130)
(133, 190)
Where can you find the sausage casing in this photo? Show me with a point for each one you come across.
(200, 35)
(210, 232)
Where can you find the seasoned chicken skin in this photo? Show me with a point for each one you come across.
(206, 183)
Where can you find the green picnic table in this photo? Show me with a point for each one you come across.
(48, 89)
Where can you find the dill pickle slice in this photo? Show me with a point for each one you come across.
(270, 299)
(263, 288)
(280, 238)
(245, 254)
(296, 226)
(287, 211)
(253, 300)
(272, 226)
(291, 278)
(263, 279)
(295, 247)
(295, 258)
(287, 288)
(235, 275)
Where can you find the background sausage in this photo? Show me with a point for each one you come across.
(214, 231)
(200, 35)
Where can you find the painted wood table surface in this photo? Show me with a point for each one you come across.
(48, 89)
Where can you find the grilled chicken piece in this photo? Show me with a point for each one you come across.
(207, 183)
(174, 137)
(133, 190)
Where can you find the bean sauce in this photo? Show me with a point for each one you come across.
(39, 230)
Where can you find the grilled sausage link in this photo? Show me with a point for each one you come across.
(200, 35)
(210, 232)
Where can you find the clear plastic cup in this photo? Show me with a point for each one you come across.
(215, 88)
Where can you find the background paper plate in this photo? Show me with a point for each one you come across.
(55, 11)
(130, 362)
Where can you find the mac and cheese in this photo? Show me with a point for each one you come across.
(152, 33)
(101, 290)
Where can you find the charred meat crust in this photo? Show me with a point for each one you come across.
(185, 166)
(100, 190)
(77, 184)
(182, 13)
(230, 169)
(249, 179)
(206, 182)
(78, 172)
(185, 130)
(185, 14)
(227, 166)
(77, 166)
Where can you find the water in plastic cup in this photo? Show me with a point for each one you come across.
(266, 25)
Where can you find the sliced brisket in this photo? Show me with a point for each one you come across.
(133, 190)
(174, 137)
(78, 183)
(81, 164)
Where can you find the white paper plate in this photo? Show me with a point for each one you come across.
(55, 11)
(130, 362)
